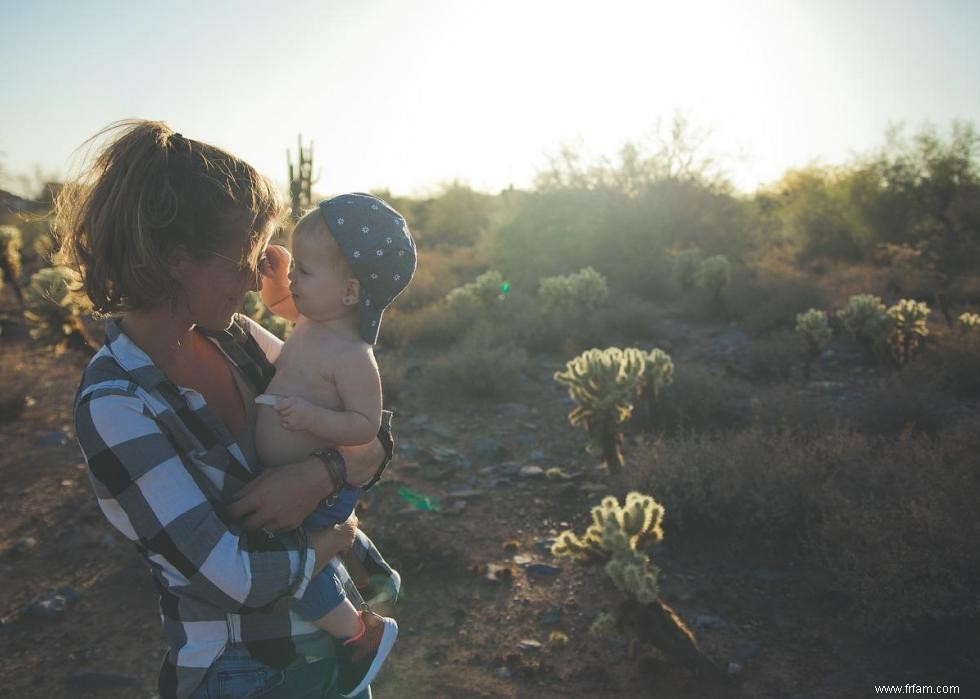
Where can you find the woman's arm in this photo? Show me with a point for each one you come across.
(147, 492)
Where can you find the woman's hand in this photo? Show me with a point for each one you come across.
(282, 497)
(275, 291)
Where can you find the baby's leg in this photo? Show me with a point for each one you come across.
(341, 622)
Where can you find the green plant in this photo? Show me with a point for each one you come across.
(620, 536)
(300, 178)
(484, 293)
(603, 383)
(813, 327)
(911, 324)
(866, 319)
(256, 310)
(714, 274)
(585, 290)
(55, 311)
(684, 268)
(658, 373)
(969, 322)
(10, 245)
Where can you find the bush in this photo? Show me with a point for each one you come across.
(700, 400)
(773, 357)
(896, 530)
(476, 367)
(770, 301)
(586, 290)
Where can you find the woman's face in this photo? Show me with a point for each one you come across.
(214, 287)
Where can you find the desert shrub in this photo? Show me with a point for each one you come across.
(700, 400)
(952, 366)
(771, 357)
(14, 384)
(749, 488)
(482, 294)
(684, 267)
(897, 529)
(770, 301)
(586, 290)
(714, 274)
(895, 404)
(475, 367)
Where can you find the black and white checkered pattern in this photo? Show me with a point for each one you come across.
(162, 466)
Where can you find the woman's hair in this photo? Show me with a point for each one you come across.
(149, 190)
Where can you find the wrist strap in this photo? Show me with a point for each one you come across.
(336, 466)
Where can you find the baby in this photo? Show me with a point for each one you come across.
(353, 255)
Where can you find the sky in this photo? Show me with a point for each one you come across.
(409, 95)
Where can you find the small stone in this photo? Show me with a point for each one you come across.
(53, 439)
(531, 472)
(542, 570)
(544, 545)
(550, 617)
(25, 545)
(708, 621)
(502, 673)
(521, 559)
(734, 668)
(509, 468)
(501, 483)
(490, 449)
(529, 644)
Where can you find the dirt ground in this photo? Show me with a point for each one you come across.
(486, 610)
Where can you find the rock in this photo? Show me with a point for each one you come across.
(734, 669)
(487, 470)
(708, 621)
(531, 472)
(509, 469)
(522, 560)
(490, 449)
(53, 439)
(529, 644)
(25, 545)
(544, 545)
(542, 570)
(550, 617)
(501, 483)
(503, 673)
(54, 604)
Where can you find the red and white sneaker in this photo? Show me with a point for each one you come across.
(362, 656)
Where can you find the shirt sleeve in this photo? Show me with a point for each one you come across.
(267, 342)
(146, 491)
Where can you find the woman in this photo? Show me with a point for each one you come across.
(167, 235)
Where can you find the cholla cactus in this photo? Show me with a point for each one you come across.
(620, 536)
(685, 267)
(55, 311)
(10, 244)
(586, 290)
(603, 383)
(814, 328)
(969, 322)
(911, 325)
(658, 372)
(485, 292)
(714, 274)
(866, 319)
(256, 310)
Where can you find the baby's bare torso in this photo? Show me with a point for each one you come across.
(304, 369)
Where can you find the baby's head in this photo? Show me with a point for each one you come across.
(358, 250)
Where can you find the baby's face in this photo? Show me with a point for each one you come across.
(318, 280)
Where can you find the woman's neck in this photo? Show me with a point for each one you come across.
(167, 339)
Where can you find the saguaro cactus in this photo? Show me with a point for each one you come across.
(300, 178)
(658, 372)
(603, 384)
(55, 311)
(620, 536)
(10, 244)
(910, 326)
(814, 328)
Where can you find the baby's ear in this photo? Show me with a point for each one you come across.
(353, 288)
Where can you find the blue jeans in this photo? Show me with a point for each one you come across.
(236, 675)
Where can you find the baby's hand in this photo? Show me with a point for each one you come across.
(277, 267)
(296, 414)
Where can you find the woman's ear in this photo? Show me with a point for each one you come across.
(177, 260)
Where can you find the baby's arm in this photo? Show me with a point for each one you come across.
(358, 384)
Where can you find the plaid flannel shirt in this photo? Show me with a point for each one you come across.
(162, 466)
